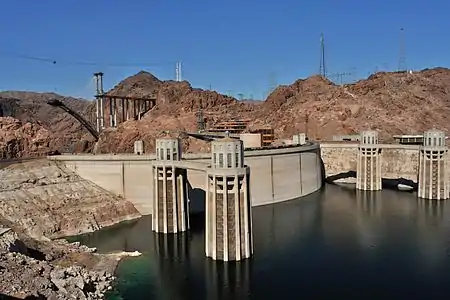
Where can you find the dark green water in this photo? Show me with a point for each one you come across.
(337, 243)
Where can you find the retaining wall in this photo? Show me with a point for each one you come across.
(396, 160)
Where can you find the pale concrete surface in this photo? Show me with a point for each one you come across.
(275, 174)
(396, 160)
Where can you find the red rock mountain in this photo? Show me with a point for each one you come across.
(25, 115)
(392, 103)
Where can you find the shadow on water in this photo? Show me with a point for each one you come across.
(197, 199)
(386, 183)
(338, 242)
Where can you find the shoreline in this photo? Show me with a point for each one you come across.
(55, 268)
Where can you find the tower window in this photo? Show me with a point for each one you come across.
(220, 160)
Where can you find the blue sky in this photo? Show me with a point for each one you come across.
(239, 46)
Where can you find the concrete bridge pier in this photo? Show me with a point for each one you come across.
(170, 205)
(368, 165)
(229, 234)
(433, 183)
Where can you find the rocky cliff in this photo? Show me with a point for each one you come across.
(392, 103)
(34, 270)
(30, 110)
(46, 200)
(41, 200)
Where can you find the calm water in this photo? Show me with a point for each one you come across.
(335, 243)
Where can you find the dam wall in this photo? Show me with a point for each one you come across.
(276, 175)
(397, 161)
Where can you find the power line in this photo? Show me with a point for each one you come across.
(77, 62)
(402, 55)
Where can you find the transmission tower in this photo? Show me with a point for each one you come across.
(272, 82)
(322, 69)
(200, 121)
(402, 55)
(340, 76)
(178, 71)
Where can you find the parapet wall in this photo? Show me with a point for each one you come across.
(275, 174)
(396, 160)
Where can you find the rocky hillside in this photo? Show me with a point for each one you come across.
(176, 105)
(31, 269)
(31, 111)
(44, 199)
(18, 139)
(392, 103)
(41, 200)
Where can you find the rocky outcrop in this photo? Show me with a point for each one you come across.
(38, 272)
(19, 139)
(31, 110)
(392, 103)
(46, 200)
(41, 200)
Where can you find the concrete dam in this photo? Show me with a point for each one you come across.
(277, 175)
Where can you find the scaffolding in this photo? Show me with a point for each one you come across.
(235, 126)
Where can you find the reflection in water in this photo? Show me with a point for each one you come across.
(228, 280)
(172, 260)
(338, 242)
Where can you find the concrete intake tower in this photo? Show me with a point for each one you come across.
(433, 183)
(170, 205)
(228, 209)
(368, 165)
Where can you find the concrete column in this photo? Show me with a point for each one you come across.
(123, 110)
(170, 200)
(114, 100)
(228, 206)
(102, 116)
(97, 113)
(111, 121)
(368, 166)
(433, 180)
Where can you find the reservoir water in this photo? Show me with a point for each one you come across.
(336, 243)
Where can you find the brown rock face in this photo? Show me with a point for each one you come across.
(176, 104)
(392, 103)
(45, 199)
(18, 139)
(64, 132)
